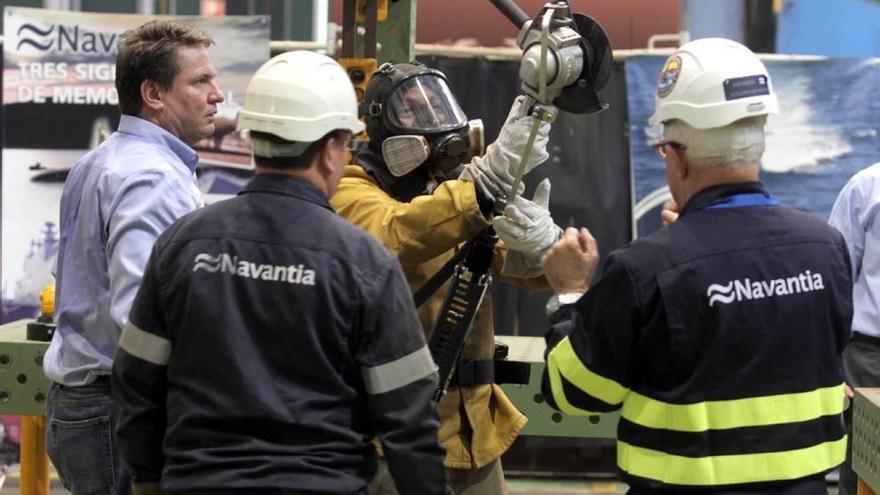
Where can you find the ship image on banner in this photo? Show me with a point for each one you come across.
(60, 101)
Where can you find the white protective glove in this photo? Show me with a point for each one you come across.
(528, 231)
(495, 172)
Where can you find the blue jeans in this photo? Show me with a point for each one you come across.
(80, 440)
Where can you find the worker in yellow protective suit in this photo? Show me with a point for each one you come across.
(418, 187)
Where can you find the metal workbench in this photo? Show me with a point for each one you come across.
(23, 387)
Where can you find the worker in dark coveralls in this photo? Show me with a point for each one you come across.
(271, 340)
(719, 337)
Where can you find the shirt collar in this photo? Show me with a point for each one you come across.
(286, 185)
(720, 192)
(129, 124)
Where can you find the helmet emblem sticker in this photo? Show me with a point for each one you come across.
(668, 76)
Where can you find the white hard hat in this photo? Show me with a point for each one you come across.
(713, 82)
(300, 96)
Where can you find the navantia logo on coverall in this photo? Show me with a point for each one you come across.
(231, 264)
(747, 289)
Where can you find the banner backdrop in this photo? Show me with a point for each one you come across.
(59, 101)
(826, 130)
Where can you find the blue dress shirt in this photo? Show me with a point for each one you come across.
(117, 200)
(855, 215)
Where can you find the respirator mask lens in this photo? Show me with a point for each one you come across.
(424, 104)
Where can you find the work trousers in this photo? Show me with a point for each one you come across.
(814, 485)
(487, 480)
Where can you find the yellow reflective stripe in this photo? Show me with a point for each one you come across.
(563, 362)
(737, 413)
(557, 390)
(730, 469)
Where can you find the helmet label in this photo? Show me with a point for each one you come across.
(668, 76)
(745, 87)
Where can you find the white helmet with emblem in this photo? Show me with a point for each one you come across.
(713, 82)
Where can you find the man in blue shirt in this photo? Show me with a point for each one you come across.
(116, 202)
(855, 215)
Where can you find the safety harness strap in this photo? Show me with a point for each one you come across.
(430, 287)
(469, 284)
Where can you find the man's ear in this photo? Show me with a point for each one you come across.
(151, 95)
(324, 158)
(679, 161)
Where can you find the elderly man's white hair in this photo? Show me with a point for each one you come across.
(740, 143)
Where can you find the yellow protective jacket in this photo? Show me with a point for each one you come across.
(478, 423)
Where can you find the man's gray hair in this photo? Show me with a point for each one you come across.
(740, 143)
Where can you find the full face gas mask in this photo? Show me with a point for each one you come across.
(414, 119)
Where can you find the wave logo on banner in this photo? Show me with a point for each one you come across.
(65, 38)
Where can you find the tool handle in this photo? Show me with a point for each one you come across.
(543, 113)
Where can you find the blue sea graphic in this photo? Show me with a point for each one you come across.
(827, 129)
